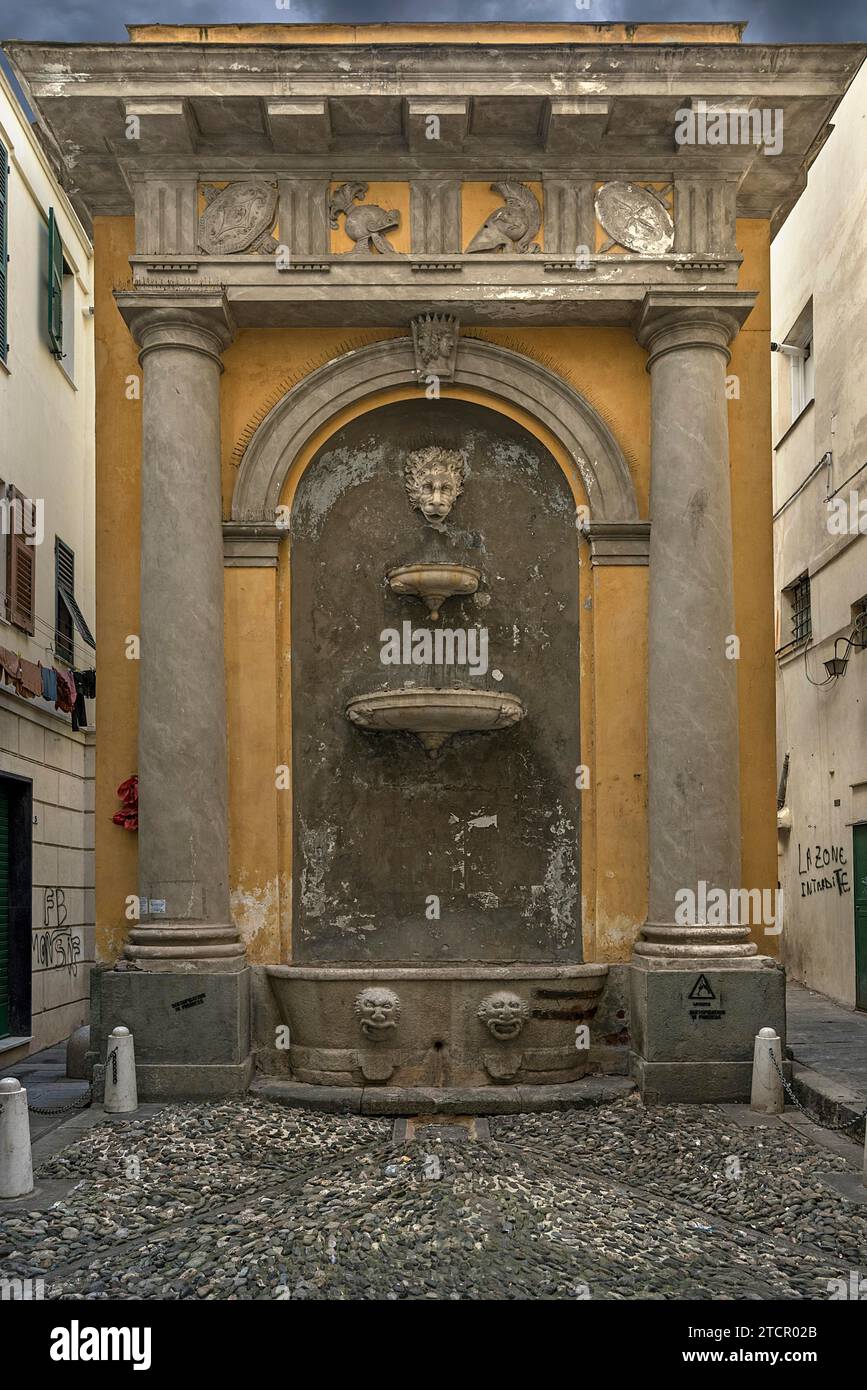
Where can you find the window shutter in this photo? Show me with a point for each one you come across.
(21, 568)
(55, 286)
(4, 250)
(64, 583)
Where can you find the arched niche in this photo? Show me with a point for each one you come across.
(486, 367)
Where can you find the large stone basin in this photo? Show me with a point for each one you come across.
(437, 1026)
(434, 715)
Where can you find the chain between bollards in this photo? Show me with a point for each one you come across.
(80, 1104)
(823, 1124)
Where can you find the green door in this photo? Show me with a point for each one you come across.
(4, 911)
(859, 858)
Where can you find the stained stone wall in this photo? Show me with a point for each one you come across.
(491, 827)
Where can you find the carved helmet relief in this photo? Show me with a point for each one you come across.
(510, 228)
(504, 1014)
(378, 1011)
(434, 481)
(363, 225)
(238, 218)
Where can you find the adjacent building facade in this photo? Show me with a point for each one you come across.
(480, 316)
(47, 593)
(819, 326)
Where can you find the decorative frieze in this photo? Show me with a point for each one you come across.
(365, 225)
(165, 216)
(705, 212)
(569, 217)
(634, 217)
(513, 227)
(303, 217)
(238, 218)
(435, 215)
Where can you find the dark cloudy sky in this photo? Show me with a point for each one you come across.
(770, 21)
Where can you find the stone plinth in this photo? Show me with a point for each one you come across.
(693, 1025)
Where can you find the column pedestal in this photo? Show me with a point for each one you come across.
(699, 990)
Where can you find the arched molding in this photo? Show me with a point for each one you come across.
(485, 367)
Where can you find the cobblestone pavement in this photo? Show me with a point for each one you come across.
(250, 1200)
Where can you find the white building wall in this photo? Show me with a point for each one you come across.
(822, 252)
(47, 452)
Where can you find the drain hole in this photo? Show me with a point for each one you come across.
(438, 1044)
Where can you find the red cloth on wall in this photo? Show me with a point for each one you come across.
(127, 816)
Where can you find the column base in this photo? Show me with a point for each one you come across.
(693, 1025)
(690, 943)
(191, 1030)
(182, 946)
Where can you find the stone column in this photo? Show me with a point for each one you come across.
(183, 791)
(693, 744)
(698, 993)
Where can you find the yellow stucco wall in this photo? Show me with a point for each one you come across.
(118, 511)
(436, 33)
(608, 368)
(752, 507)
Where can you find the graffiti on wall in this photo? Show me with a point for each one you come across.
(822, 867)
(56, 944)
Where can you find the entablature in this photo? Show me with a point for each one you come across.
(403, 110)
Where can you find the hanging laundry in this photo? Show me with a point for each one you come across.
(66, 692)
(9, 665)
(79, 710)
(29, 679)
(49, 683)
(88, 683)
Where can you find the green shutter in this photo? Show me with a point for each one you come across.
(55, 286)
(4, 911)
(4, 250)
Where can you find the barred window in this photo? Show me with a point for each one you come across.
(802, 618)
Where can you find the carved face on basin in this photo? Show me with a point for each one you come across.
(434, 481)
(377, 1011)
(504, 1014)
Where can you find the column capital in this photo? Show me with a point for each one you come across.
(672, 319)
(199, 321)
(618, 542)
(251, 544)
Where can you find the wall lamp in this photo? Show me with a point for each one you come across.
(836, 666)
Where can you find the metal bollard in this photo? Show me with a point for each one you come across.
(121, 1094)
(767, 1096)
(16, 1158)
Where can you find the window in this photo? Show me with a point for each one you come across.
(56, 266)
(18, 523)
(798, 596)
(68, 615)
(4, 251)
(798, 350)
(859, 625)
(803, 379)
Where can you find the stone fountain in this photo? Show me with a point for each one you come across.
(436, 938)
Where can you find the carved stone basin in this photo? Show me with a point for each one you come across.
(434, 583)
(434, 715)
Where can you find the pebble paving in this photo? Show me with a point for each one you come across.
(248, 1199)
